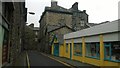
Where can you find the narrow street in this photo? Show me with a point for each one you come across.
(54, 33)
(38, 59)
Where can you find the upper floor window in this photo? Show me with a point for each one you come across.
(82, 23)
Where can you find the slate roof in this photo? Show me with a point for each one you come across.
(92, 24)
(55, 27)
(58, 8)
(60, 37)
(51, 27)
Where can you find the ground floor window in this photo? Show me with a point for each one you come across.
(112, 51)
(78, 49)
(5, 46)
(66, 47)
(93, 50)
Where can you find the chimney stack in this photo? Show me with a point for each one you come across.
(75, 6)
(84, 11)
(53, 3)
(31, 25)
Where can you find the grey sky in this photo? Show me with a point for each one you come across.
(98, 10)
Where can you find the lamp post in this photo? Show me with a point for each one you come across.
(22, 39)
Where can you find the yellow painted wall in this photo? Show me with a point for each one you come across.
(78, 58)
(84, 59)
(95, 61)
(108, 63)
(72, 49)
(52, 49)
(67, 54)
(61, 52)
(64, 45)
(92, 61)
(83, 49)
(101, 50)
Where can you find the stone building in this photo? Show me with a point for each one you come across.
(13, 18)
(31, 37)
(35, 30)
(56, 15)
(54, 33)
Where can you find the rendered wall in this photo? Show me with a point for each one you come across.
(92, 61)
(61, 54)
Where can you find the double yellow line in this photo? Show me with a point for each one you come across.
(28, 61)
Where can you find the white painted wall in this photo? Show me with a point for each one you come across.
(78, 40)
(68, 41)
(92, 39)
(111, 37)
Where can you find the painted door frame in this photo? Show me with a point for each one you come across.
(56, 49)
(109, 46)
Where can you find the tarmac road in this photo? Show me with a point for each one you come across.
(37, 59)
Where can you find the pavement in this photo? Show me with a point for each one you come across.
(31, 59)
(73, 63)
(19, 62)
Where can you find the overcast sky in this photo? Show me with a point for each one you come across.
(98, 10)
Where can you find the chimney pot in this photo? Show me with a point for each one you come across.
(84, 11)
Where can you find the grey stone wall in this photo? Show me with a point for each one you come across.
(57, 16)
(13, 12)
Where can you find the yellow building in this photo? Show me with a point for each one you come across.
(98, 45)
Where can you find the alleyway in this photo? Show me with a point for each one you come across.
(57, 36)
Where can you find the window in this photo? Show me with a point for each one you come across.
(107, 51)
(36, 33)
(67, 48)
(5, 46)
(112, 51)
(115, 49)
(78, 49)
(82, 23)
(18, 30)
(46, 31)
(93, 50)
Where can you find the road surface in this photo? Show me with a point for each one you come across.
(37, 59)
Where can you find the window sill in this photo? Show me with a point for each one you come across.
(93, 57)
(112, 60)
(78, 55)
